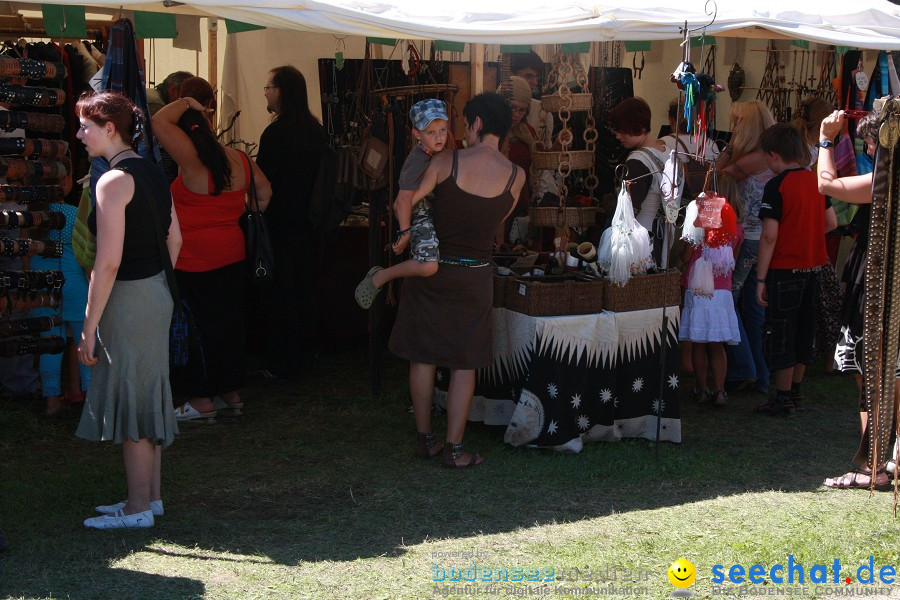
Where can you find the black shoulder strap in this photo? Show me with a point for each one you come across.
(160, 237)
(455, 167)
(656, 161)
(253, 203)
(512, 178)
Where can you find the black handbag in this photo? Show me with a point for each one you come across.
(260, 258)
(183, 333)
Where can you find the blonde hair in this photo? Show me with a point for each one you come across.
(754, 117)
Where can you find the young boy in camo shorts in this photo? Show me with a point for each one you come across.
(430, 121)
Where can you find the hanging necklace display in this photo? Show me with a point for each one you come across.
(882, 278)
(566, 68)
(828, 71)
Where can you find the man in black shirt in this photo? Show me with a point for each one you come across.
(289, 153)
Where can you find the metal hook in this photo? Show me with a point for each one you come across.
(714, 13)
(637, 71)
(621, 172)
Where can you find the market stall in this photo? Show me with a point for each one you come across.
(578, 101)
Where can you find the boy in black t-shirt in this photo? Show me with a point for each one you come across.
(795, 218)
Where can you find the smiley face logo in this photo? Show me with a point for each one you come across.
(682, 573)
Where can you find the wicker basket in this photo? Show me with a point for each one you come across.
(504, 282)
(578, 159)
(526, 261)
(551, 296)
(579, 102)
(571, 216)
(643, 292)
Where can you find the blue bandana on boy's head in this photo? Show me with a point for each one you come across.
(424, 112)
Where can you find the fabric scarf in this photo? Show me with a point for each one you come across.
(123, 72)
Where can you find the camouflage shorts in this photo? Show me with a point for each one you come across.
(423, 240)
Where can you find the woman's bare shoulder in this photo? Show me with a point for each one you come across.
(114, 185)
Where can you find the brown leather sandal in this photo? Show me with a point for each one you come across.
(860, 478)
(453, 452)
(427, 446)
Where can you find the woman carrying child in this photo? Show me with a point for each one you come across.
(446, 319)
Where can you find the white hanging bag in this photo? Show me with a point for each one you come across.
(629, 242)
(701, 281)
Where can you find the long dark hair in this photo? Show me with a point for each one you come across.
(210, 152)
(293, 107)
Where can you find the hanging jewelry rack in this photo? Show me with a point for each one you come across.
(685, 43)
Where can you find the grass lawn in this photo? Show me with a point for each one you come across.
(315, 493)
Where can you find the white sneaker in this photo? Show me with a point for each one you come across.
(156, 507)
(186, 412)
(120, 520)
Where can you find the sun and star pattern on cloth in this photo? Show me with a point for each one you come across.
(597, 376)
(583, 422)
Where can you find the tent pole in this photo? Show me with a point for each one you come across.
(212, 50)
(476, 59)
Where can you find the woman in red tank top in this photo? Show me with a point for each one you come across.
(210, 195)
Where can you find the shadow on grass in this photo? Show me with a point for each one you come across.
(322, 471)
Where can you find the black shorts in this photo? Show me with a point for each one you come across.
(790, 328)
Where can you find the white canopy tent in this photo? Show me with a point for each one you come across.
(873, 24)
(300, 33)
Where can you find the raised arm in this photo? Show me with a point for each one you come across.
(856, 189)
(749, 164)
(172, 137)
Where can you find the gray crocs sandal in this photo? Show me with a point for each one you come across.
(366, 291)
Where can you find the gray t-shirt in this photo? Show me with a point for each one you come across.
(413, 168)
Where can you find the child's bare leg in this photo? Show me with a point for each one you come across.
(719, 363)
(698, 354)
(783, 379)
(408, 268)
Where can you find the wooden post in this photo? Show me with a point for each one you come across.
(476, 59)
(212, 51)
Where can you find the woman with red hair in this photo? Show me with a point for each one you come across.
(129, 400)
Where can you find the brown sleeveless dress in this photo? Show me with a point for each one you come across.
(445, 319)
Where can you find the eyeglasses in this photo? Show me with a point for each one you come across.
(84, 127)
(520, 111)
(269, 87)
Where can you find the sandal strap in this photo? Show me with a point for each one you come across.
(456, 450)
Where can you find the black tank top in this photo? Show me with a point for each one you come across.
(466, 223)
(140, 251)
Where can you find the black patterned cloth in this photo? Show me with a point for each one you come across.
(578, 378)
